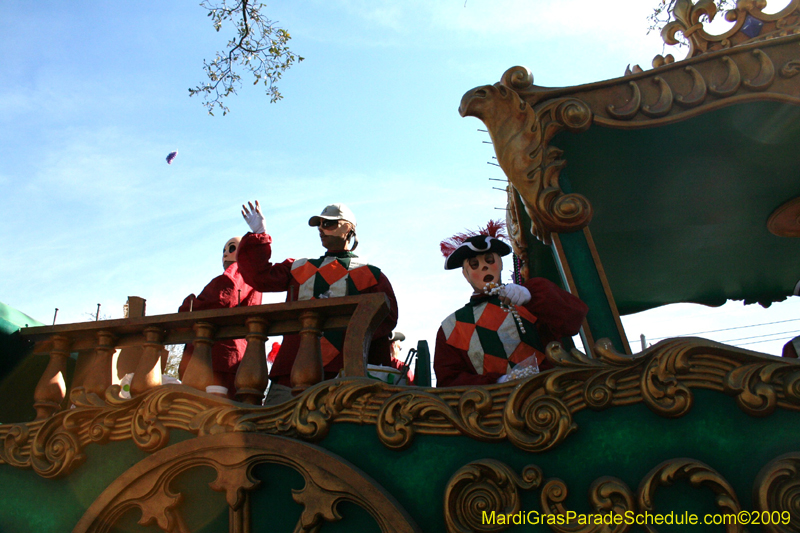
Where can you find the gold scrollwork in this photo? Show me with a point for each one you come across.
(402, 413)
(790, 69)
(606, 494)
(661, 389)
(488, 486)
(697, 473)
(521, 135)
(318, 407)
(766, 73)
(663, 105)
(688, 19)
(698, 92)
(777, 488)
(518, 78)
(628, 110)
(759, 386)
(536, 422)
(732, 81)
(485, 486)
(536, 414)
(55, 450)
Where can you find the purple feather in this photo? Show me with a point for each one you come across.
(171, 156)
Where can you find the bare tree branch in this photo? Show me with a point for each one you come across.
(259, 47)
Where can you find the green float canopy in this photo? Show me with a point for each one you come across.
(681, 211)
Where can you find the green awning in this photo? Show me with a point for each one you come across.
(681, 210)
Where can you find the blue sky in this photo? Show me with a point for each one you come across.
(95, 95)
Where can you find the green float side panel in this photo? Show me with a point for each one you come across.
(590, 288)
(625, 442)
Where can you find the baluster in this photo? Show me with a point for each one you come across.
(82, 366)
(50, 390)
(307, 369)
(148, 371)
(98, 377)
(199, 373)
(251, 377)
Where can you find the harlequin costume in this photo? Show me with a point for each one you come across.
(220, 293)
(332, 275)
(481, 342)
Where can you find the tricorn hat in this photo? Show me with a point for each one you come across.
(467, 245)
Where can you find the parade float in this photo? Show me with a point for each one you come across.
(673, 184)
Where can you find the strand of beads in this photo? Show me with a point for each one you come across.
(494, 289)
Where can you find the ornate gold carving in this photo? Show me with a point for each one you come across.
(313, 413)
(759, 387)
(697, 94)
(536, 422)
(485, 486)
(777, 488)
(766, 73)
(535, 415)
(732, 81)
(491, 486)
(630, 108)
(688, 21)
(697, 473)
(607, 494)
(790, 69)
(521, 135)
(664, 103)
(328, 482)
(402, 415)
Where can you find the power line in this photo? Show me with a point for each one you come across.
(757, 336)
(768, 340)
(718, 330)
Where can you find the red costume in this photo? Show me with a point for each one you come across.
(790, 348)
(222, 292)
(335, 274)
(491, 339)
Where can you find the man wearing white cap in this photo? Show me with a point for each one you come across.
(339, 272)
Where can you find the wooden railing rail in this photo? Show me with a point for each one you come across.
(95, 343)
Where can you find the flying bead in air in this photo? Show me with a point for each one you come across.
(171, 156)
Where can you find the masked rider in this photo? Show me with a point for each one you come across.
(224, 291)
(502, 326)
(339, 272)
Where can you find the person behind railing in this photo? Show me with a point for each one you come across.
(397, 362)
(339, 272)
(502, 332)
(225, 291)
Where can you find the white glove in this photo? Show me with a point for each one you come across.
(515, 294)
(253, 217)
(503, 378)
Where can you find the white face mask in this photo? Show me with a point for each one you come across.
(231, 251)
(482, 270)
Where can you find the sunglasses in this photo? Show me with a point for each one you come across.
(329, 224)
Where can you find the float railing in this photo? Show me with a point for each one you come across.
(96, 343)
